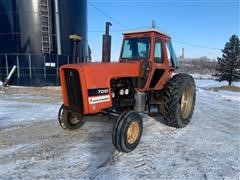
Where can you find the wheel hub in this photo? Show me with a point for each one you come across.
(74, 119)
(187, 102)
(133, 132)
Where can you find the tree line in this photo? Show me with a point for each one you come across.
(225, 68)
(202, 65)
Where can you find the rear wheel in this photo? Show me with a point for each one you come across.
(69, 120)
(127, 131)
(179, 100)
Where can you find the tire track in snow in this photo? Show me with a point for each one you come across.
(143, 159)
(154, 141)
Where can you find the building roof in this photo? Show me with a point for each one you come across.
(147, 30)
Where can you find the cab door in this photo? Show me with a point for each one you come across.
(161, 70)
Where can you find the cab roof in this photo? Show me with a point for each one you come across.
(146, 31)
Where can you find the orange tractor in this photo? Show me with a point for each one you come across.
(142, 82)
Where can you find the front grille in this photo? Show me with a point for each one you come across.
(74, 90)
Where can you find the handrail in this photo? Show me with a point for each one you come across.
(40, 54)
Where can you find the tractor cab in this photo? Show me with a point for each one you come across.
(151, 45)
(154, 49)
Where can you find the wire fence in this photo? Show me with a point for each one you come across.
(34, 67)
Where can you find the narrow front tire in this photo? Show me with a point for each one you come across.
(127, 131)
(69, 120)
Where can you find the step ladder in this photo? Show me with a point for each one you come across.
(46, 31)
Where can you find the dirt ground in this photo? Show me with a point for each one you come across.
(37, 148)
(228, 88)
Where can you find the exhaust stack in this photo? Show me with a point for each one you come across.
(106, 45)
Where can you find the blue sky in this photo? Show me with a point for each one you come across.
(191, 23)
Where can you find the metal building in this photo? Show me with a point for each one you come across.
(34, 36)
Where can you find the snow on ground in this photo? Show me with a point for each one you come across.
(34, 146)
(202, 76)
(21, 108)
(208, 84)
(16, 112)
(205, 86)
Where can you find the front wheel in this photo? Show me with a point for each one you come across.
(127, 131)
(179, 100)
(69, 120)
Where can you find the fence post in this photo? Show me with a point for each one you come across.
(30, 66)
(44, 66)
(57, 66)
(18, 68)
(6, 60)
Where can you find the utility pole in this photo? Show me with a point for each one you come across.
(182, 57)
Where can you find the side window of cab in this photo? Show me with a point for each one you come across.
(158, 58)
(168, 53)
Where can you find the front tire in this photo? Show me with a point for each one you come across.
(179, 100)
(69, 120)
(127, 131)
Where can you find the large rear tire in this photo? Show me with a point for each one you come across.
(69, 120)
(127, 131)
(179, 100)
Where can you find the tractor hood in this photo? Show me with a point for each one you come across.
(100, 74)
(95, 82)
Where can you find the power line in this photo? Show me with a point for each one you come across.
(190, 44)
(101, 31)
(103, 13)
(120, 30)
(196, 45)
(127, 28)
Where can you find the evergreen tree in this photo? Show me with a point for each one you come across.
(228, 67)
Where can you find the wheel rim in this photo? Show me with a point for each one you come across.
(187, 102)
(60, 113)
(133, 132)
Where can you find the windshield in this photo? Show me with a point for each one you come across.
(135, 48)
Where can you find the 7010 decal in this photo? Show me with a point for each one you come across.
(98, 91)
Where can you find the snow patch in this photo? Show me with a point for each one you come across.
(208, 84)
(20, 109)
(202, 76)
